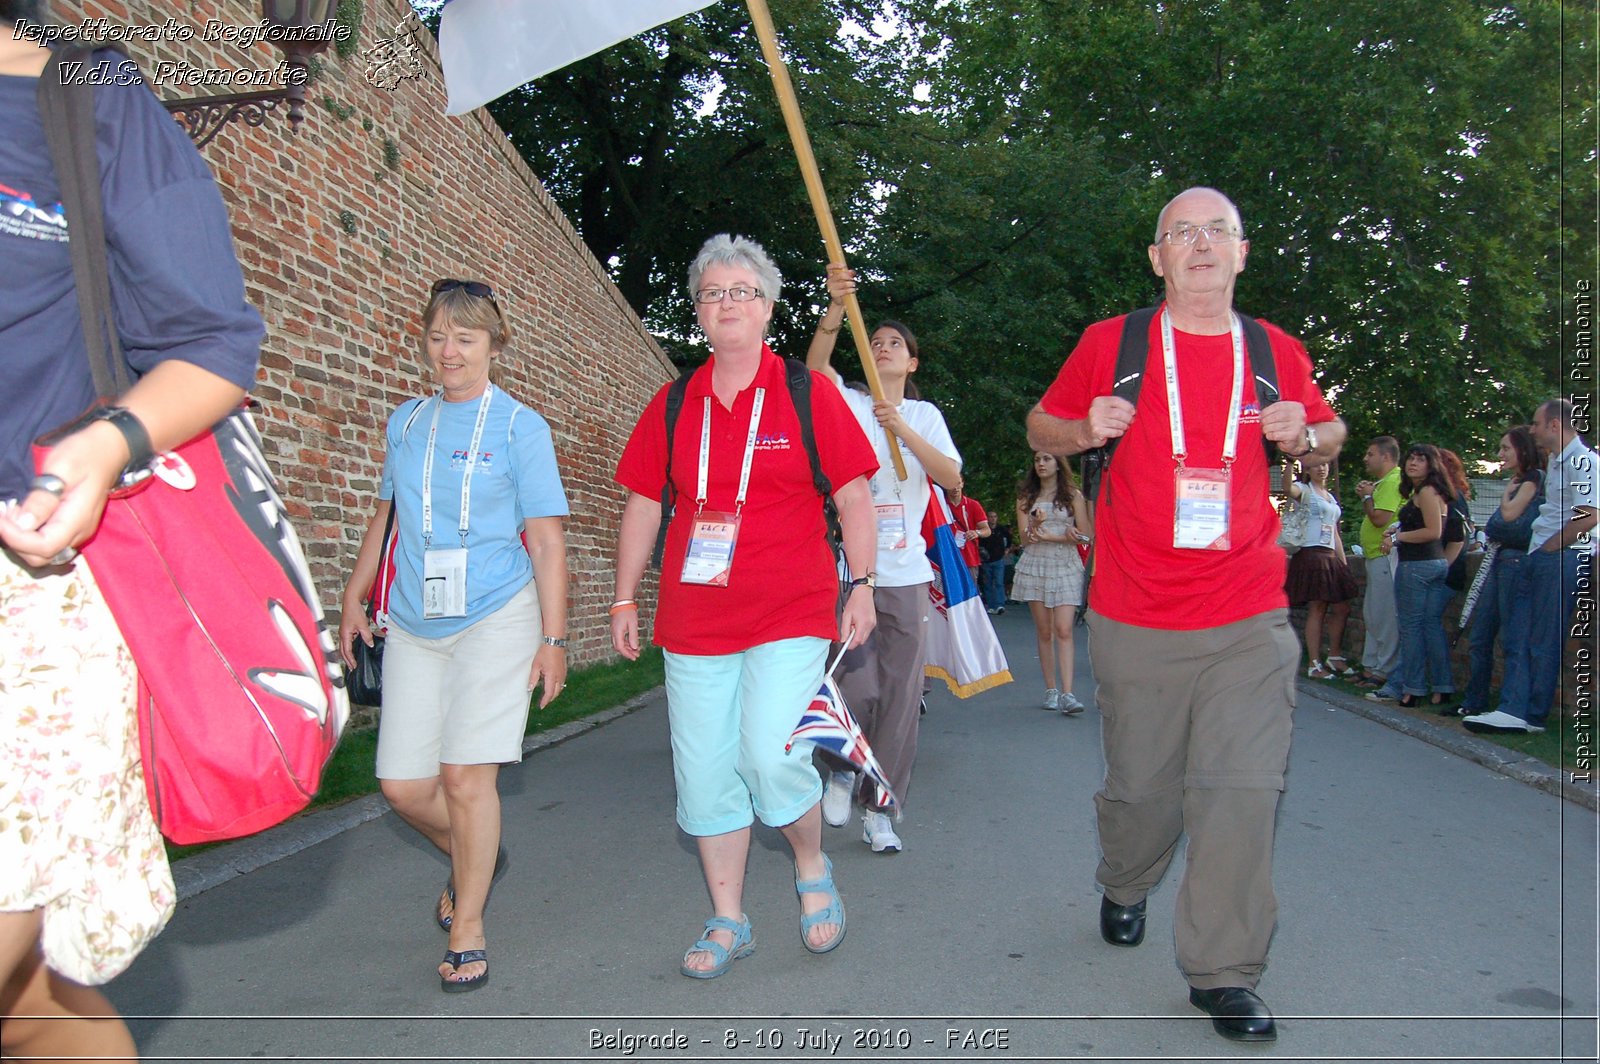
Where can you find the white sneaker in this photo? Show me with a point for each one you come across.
(878, 832)
(1499, 722)
(836, 798)
(1070, 704)
(1052, 698)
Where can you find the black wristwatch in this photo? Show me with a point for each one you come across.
(870, 580)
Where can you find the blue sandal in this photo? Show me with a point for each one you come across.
(455, 960)
(833, 914)
(744, 944)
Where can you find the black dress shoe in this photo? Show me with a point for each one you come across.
(1121, 925)
(1236, 1013)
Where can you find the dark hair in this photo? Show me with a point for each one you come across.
(911, 348)
(1435, 478)
(1387, 445)
(1030, 485)
(1560, 409)
(1455, 472)
(15, 11)
(1525, 448)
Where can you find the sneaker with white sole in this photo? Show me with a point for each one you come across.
(1070, 704)
(878, 832)
(1052, 698)
(1497, 723)
(836, 798)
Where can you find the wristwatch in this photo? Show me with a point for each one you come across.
(870, 580)
(1311, 444)
(552, 641)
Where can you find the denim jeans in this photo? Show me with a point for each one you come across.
(1489, 616)
(1420, 597)
(1536, 632)
(992, 584)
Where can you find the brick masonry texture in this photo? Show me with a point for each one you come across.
(340, 237)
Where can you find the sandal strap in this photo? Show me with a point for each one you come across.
(833, 914)
(823, 884)
(467, 956)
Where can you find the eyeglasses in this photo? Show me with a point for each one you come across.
(1188, 234)
(738, 293)
(473, 288)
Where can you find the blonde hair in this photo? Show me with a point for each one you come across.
(460, 308)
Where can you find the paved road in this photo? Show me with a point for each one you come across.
(1430, 909)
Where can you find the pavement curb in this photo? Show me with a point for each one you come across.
(1507, 762)
(218, 865)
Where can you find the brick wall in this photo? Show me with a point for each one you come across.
(341, 228)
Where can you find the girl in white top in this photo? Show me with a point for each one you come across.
(1319, 577)
(882, 680)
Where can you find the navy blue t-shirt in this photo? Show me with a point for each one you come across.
(176, 288)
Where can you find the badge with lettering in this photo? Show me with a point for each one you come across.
(891, 526)
(444, 583)
(709, 558)
(1201, 517)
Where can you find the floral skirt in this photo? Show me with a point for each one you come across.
(76, 836)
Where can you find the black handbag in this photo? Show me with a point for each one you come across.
(1515, 535)
(364, 683)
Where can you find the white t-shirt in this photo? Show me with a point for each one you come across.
(1571, 479)
(909, 564)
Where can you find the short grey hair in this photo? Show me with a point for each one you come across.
(1233, 209)
(725, 249)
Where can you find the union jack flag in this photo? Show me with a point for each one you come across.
(828, 723)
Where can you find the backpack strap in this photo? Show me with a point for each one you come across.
(669, 494)
(800, 380)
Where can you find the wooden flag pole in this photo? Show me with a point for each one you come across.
(762, 19)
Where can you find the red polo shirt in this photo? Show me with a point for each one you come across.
(782, 583)
(968, 516)
(1140, 577)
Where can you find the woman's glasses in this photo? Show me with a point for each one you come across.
(473, 288)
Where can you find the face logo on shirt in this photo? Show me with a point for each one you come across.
(20, 215)
(772, 441)
(458, 460)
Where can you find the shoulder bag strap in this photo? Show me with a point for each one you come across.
(67, 110)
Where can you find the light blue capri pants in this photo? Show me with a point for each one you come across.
(731, 715)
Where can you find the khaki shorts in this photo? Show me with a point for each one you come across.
(460, 700)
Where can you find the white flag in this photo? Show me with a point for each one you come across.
(489, 47)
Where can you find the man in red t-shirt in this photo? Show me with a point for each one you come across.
(1189, 630)
(971, 524)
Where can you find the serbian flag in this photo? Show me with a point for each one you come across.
(489, 47)
(963, 650)
(828, 723)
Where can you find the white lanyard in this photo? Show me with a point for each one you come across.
(466, 475)
(1169, 361)
(749, 451)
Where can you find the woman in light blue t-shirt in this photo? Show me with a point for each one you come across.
(477, 610)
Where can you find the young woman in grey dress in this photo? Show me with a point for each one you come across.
(1052, 520)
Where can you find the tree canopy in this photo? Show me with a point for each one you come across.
(996, 167)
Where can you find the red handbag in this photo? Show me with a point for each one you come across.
(240, 697)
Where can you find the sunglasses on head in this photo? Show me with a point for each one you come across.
(473, 288)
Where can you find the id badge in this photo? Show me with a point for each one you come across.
(444, 583)
(1326, 539)
(1203, 509)
(891, 526)
(709, 559)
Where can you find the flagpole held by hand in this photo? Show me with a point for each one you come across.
(790, 105)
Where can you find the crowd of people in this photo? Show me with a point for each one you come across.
(1416, 535)
(784, 533)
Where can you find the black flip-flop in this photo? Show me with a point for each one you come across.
(502, 861)
(455, 960)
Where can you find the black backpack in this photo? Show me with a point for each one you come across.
(799, 381)
(1129, 376)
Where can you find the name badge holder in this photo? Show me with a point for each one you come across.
(714, 533)
(444, 572)
(1203, 508)
(891, 517)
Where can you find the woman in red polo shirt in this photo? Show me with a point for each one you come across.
(748, 593)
